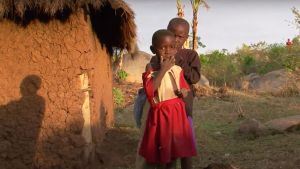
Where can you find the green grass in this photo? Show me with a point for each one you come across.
(216, 122)
(118, 97)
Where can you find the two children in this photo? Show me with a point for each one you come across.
(168, 134)
(189, 61)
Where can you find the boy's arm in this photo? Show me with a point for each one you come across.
(192, 69)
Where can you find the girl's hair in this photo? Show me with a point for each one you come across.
(158, 35)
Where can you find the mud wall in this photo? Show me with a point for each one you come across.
(41, 99)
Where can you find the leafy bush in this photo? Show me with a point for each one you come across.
(122, 74)
(118, 97)
(282, 57)
(296, 40)
(248, 64)
(219, 67)
(223, 68)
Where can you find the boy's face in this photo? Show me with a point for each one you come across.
(181, 34)
(165, 48)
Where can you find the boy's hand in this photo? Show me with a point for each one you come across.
(148, 67)
(167, 63)
(182, 93)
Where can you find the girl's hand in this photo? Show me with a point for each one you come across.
(166, 64)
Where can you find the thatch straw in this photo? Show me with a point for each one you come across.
(124, 16)
(49, 7)
(127, 26)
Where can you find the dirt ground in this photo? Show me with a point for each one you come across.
(216, 119)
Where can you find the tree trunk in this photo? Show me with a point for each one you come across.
(120, 66)
(194, 27)
(180, 12)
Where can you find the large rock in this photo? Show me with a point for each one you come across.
(204, 81)
(272, 82)
(284, 124)
(135, 66)
(250, 126)
(244, 83)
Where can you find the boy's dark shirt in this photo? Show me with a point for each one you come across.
(189, 61)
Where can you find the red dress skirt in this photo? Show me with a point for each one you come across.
(168, 134)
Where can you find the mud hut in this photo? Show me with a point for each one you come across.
(56, 79)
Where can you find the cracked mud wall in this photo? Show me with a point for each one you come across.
(41, 99)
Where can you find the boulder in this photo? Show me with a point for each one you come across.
(204, 81)
(273, 82)
(135, 66)
(244, 83)
(284, 124)
(250, 126)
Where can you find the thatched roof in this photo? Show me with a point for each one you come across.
(120, 30)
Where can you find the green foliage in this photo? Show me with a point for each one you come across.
(282, 57)
(244, 49)
(122, 74)
(223, 68)
(248, 61)
(219, 67)
(265, 68)
(118, 97)
(204, 59)
(296, 41)
(277, 50)
(248, 64)
(200, 44)
(296, 13)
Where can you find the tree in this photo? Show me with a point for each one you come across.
(297, 18)
(195, 6)
(180, 10)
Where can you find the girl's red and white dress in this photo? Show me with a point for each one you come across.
(168, 134)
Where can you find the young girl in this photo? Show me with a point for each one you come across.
(167, 134)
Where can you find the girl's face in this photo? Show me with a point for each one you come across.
(165, 48)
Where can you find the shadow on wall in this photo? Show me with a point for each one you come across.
(20, 124)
